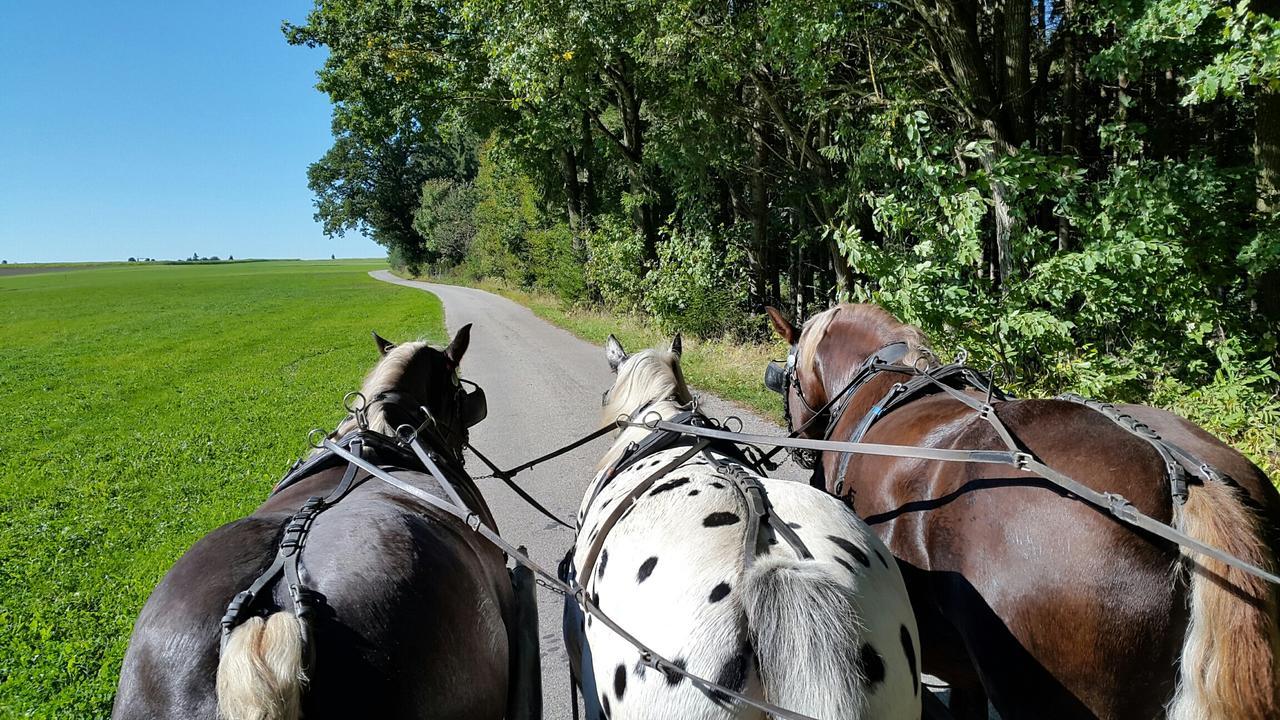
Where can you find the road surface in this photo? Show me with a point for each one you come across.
(543, 385)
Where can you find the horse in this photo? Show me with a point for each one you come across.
(410, 613)
(819, 624)
(1046, 606)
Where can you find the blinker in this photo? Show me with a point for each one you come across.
(474, 405)
(775, 377)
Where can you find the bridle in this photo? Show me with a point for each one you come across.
(782, 378)
(470, 406)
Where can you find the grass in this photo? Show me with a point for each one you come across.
(142, 406)
(728, 368)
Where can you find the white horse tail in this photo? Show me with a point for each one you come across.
(1230, 666)
(260, 675)
(806, 630)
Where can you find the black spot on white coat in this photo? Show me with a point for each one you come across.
(669, 485)
(872, 665)
(720, 519)
(905, 635)
(854, 551)
(620, 681)
(733, 674)
(719, 592)
(646, 569)
(673, 677)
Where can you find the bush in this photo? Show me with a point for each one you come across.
(616, 268)
(556, 264)
(446, 220)
(505, 212)
(699, 285)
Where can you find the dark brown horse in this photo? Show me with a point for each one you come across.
(1045, 605)
(415, 611)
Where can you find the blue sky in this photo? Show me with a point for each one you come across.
(159, 129)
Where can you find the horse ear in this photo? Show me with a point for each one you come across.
(384, 345)
(782, 325)
(677, 347)
(458, 346)
(614, 352)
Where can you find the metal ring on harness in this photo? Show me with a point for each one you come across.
(317, 444)
(651, 419)
(350, 407)
(406, 433)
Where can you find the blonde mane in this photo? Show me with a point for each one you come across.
(812, 334)
(872, 322)
(649, 380)
(384, 377)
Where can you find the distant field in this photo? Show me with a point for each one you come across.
(142, 406)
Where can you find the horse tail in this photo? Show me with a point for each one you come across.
(260, 675)
(805, 629)
(1230, 665)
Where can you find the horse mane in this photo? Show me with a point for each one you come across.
(871, 327)
(648, 378)
(384, 377)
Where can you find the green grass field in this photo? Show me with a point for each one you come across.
(143, 406)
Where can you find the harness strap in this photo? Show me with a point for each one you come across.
(647, 655)
(761, 513)
(286, 563)
(1178, 462)
(1113, 503)
(629, 499)
(505, 477)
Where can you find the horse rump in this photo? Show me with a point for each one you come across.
(803, 623)
(260, 674)
(1230, 665)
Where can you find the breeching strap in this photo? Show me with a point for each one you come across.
(1113, 503)
(472, 520)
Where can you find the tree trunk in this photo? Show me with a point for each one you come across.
(1017, 85)
(1070, 101)
(1002, 215)
(1266, 150)
(759, 253)
(586, 166)
(572, 189)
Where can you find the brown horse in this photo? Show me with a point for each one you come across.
(414, 613)
(1045, 605)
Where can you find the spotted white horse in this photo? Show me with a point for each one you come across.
(832, 637)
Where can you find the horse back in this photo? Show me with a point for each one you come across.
(1033, 587)
(412, 613)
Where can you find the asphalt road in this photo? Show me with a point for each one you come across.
(543, 386)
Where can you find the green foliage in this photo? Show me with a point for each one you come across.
(555, 262)
(697, 283)
(1083, 197)
(505, 212)
(158, 402)
(446, 220)
(616, 266)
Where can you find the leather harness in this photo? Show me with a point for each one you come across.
(368, 446)
(956, 377)
(730, 461)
